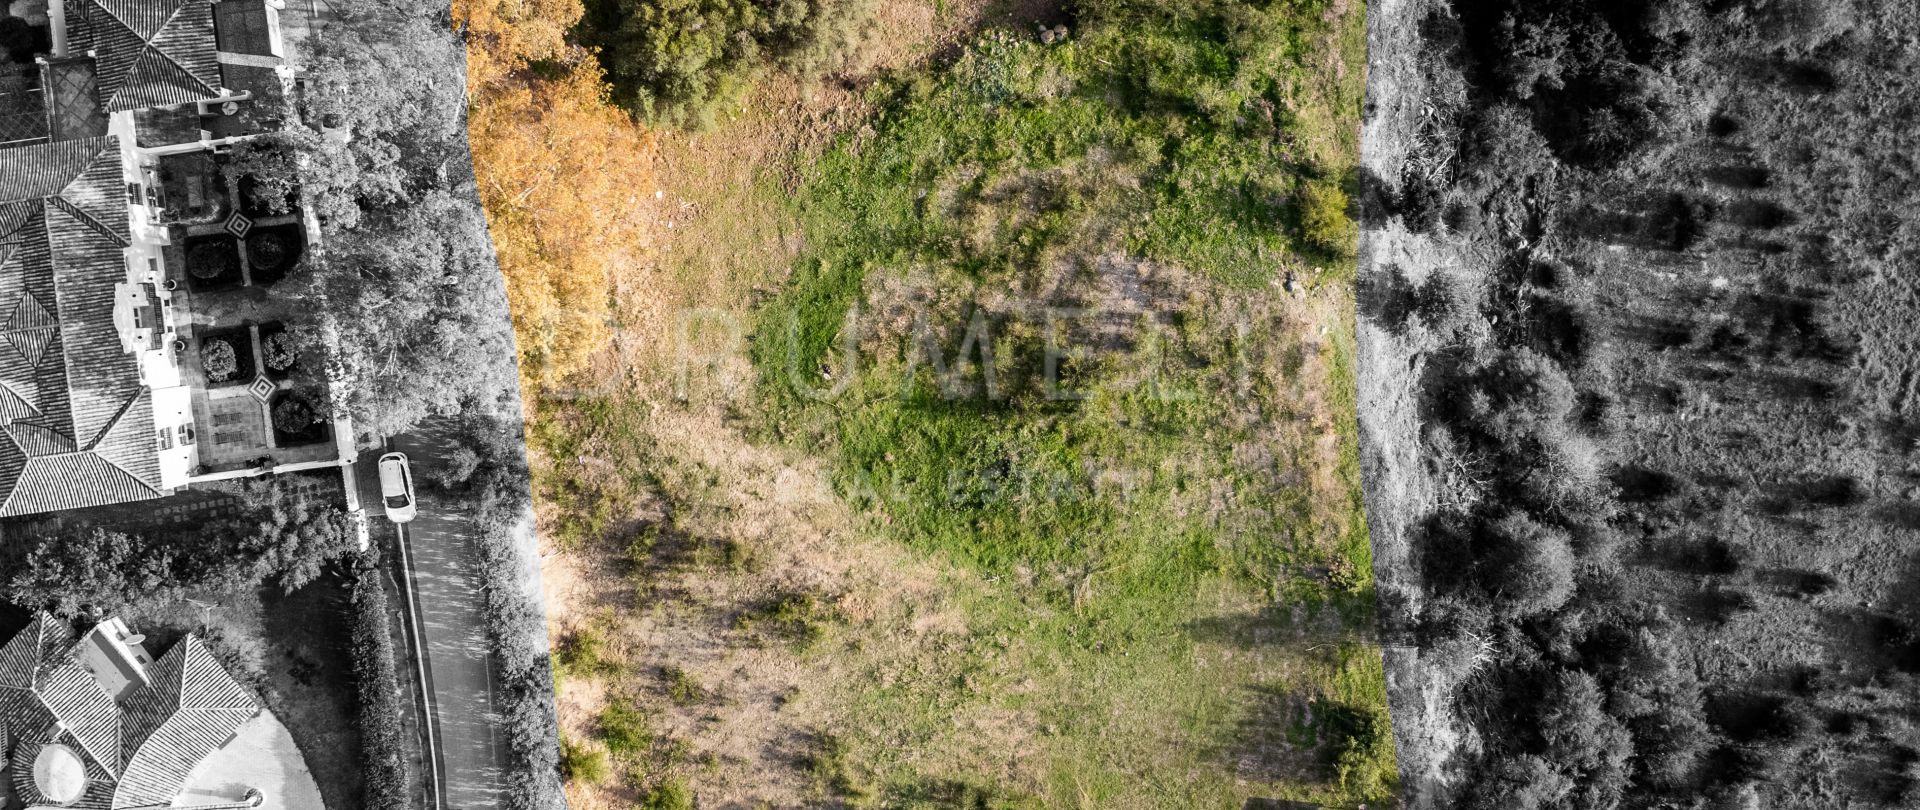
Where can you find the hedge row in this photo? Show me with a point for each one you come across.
(383, 742)
(516, 622)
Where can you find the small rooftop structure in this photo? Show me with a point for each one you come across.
(72, 99)
(59, 774)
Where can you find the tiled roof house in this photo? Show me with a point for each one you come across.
(126, 738)
(77, 421)
(94, 407)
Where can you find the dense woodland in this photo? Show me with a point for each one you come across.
(1666, 400)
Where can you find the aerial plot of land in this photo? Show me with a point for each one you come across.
(959, 404)
(970, 424)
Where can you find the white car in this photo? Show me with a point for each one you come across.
(396, 487)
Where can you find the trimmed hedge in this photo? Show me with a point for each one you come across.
(383, 742)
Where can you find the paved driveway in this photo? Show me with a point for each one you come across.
(461, 675)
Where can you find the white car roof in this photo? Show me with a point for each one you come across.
(390, 474)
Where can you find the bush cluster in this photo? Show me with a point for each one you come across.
(1568, 654)
(1324, 220)
(281, 352)
(1587, 78)
(294, 414)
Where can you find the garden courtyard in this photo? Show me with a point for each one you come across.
(258, 402)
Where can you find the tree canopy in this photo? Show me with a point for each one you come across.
(404, 297)
(563, 229)
(280, 533)
(677, 61)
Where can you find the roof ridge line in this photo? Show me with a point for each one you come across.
(164, 24)
(168, 22)
(149, 48)
(88, 220)
(116, 18)
(30, 404)
(176, 62)
(113, 423)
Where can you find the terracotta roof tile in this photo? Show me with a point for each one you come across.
(62, 366)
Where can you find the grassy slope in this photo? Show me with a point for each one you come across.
(1186, 630)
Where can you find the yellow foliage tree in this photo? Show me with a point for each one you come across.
(563, 175)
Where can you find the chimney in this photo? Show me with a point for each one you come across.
(57, 23)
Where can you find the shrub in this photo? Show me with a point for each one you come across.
(672, 794)
(1534, 54)
(1421, 202)
(458, 466)
(515, 623)
(1501, 146)
(280, 350)
(1324, 222)
(241, 650)
(281, 534)
(796, 617)
(273, 163)
(294, 415)
(582, 654)
(624, 729)
(219, 359)
(1365, 763)
(582, 762)
(1655, 690)
(828, 764)
(1584, 740)
(1526, 397)
(211, 260)
(287, 534)
(682, 687)
(1525, 782)
(268, 251)
(90, 571)
(1531, 566)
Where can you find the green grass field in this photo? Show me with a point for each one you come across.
(1141, 175)
(1142, 513)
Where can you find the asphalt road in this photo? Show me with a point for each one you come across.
(460, 672)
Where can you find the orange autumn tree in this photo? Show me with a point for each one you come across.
(563, 174)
